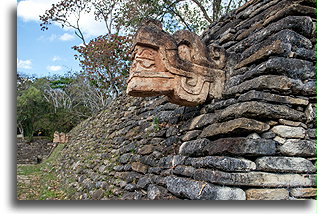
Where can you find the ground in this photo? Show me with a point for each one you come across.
(40, 181)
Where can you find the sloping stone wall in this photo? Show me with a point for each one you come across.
(257, 142)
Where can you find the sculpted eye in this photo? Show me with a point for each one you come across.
(146, 63)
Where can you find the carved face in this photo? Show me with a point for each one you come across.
(148, 75)
(176, 66)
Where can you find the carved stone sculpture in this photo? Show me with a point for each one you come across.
(179, 66)
(60, 137)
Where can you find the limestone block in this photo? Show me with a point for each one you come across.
(139, 167)
(267, 194)
(234, 146)
(289, 131)
(285, 164)
(198, 190)
(145, 150)
(289, 123)
(236, 125)
(280, 83)
(155, 192)
(296, 147)
(255, 109)
(280, 139)
(303, 192)
(259, 179)
(223, 163)
(191, 135)
(202, 120)
(259, 95)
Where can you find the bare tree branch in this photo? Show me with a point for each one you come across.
(203, 10)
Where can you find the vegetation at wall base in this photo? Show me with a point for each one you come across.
(40, 181)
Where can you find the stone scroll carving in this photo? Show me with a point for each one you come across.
(179, 66)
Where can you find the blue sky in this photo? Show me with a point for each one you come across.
(49, 52)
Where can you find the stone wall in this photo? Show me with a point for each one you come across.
(33, 152)
(257, 142)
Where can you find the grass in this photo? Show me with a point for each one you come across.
(40, 181)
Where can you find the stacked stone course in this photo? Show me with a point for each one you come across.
(255, 143)
(33, 152)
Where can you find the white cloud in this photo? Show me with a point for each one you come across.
(54, 68)
(52, 37)
(56, 58)
(30, 10)
(66, 37)
(25, 64)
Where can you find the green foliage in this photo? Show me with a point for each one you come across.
(156, 123)
(61, 82)
(31, 105)
(46, 105)
(105, 61)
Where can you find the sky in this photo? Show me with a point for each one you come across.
(42, 53)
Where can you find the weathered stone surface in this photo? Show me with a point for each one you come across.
(261, 110)
(164, 65)
(130, 187)
(187, 171)
(202, 120)
(290, 22)
(147, 149)
(307, 54)
(285, 164)
(279, 83)
(235, 146)
(289, 131)
(194, 147)
(218, 105)
(144, 182)
(197, 190)
(311, 133)
(277, 47)
(98, 194)
(303, 192)
(139, 167)
(295, 147)
(267, 194)
(191, 135)
(310, 113)
(124, 158)
(253, 136)
(268, 135)
(263, 96)
(279, 139)
(239, 125)
(279, 44)
(223, 163)
(155, 192)
(289, 123)
(171, 161)
(260, 179)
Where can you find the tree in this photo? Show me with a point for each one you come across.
(106, 62)
(31, 105)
